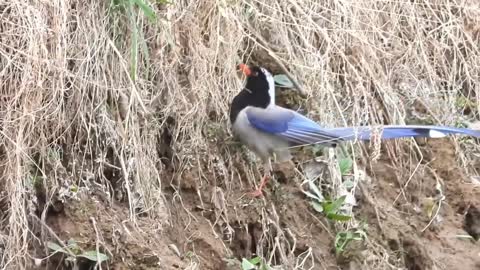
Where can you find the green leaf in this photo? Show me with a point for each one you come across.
(283, 80)
(338, 217)
(55, 247)
(345, 165)
(361, 233)
(92, 256)
(327, 206)
(71, 244)
(134, 43)
(255, 260)
(341, 241)
(318, 207)
(348, 184)
(332, 207)
(317, 191)
(189, 254)
(460, 124)
(148, 11)
(246, 265)
(337, 204)
(264, 267)
(74, 188)
(312, 196)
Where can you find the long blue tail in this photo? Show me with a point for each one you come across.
(298, 129)
(393, 132)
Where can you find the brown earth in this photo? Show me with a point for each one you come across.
(67, 89)
(210, 228)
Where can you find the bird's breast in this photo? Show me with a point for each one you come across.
(263, 144)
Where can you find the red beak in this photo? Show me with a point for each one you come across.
(246, 70)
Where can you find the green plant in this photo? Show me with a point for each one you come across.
(73, 252)
(464, 102)
(282, 80)
(316, 149)
(316, 195)
(460, 124)
(36, 180)
(146, 9)
(331, 208)
(342, 239)
(128, 6)
(255, 263)
(345, 165)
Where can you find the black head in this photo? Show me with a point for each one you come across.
(259, 90)
(256, 79)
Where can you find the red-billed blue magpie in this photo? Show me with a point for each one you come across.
(267, 129)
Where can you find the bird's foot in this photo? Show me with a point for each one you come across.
(258, 192)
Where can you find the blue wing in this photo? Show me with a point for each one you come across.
(289, 125)
(298, 129)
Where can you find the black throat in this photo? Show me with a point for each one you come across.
(254, 94)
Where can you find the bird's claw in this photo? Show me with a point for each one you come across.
(256, 193)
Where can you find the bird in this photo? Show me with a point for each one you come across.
(271, 130)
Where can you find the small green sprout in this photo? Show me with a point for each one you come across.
(73, 252)
(342, 239)
(254, 263)
(345, 165)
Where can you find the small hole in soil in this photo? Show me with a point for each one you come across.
(281, 177)
(251, 229)
(164, 139)
(472, 222)
(393, 244)
(111, 173)
(416, 256)
(84, 264)
(246, 238)
(54, 207)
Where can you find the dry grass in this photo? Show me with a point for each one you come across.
(71, 111)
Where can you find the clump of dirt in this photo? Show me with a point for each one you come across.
(90, 221)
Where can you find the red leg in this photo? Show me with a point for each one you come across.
(258, 191)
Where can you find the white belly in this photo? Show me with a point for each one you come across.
(263, 144)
